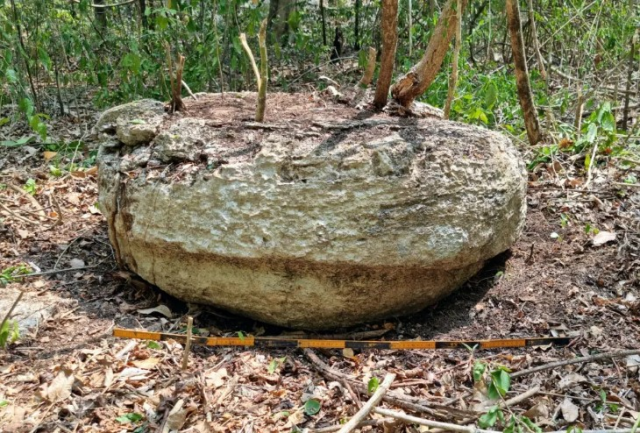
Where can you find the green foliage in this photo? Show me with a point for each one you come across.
(312, 407)
(373, 384)
(131, 417)
(30, 186)
(275, 363)
(8, 275)
(9, 333)
(154, 345)
(490, 418)
(478, 371)
(500, 383)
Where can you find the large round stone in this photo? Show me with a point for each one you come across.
(307, 221)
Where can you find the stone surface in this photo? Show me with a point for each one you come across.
(134, 123)
(313, 225)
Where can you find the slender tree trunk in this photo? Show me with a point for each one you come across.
(356, 29)
(536, 43)
(632, 53)
(143, 15)
(453, 79)
(324, 23)
(522, 74)
(100, 15)
(420, 77)
(388, 56)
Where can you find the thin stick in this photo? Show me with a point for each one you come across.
(247, 49)
(186, 86)
(6, 317)
(54, 271)
(421, 421)
(187, 346)
(264, 74)
(369, 405)
(366, 423)
(580, 360)
(467, 429)
(520, 398)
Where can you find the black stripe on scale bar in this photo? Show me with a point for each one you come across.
(367, 344)
(557, 341)
(268, 342)
(457, 344)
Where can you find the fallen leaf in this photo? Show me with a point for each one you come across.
(602, 238)
(539, 410)
(76, 263)
(161, 309)
(148, 363)
(60, 388)
(49, 155)
(177, 416)
(569, 410)
(571, 379)
(348, 353)
(215, 379)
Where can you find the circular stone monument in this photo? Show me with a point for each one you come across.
(323, 216)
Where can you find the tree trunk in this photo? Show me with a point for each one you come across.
(143, 15)
(388, 56)
(279, 11)
(453, 78)
(420, 77)
(100, 15)
(324, 23)
(356, 29)
(522, 74)
(536, 43)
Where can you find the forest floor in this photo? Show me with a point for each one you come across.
(572, 273)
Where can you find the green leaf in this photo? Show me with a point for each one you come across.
(500, 383)
(478, 370)
(532, 426)
(55, 171)
(312, 407)
(129, 418)
(44, 58)
(241, 335)
(491, 95)
(4, 403)
(373, 385)
(154, 345)
(11, 75)
(489, 419)
(272, 366)
(592, 132)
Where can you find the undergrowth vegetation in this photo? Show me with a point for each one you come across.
(54, 52)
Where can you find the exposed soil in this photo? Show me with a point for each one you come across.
(69, 374)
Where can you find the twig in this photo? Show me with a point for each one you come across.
(421, 421)
(468, 429)
(30, 198)
(369, 405)
(54, 271)
(404, 402)
(13, 306)
(631, 185)
(186, 86)
(580, 360)
(366, 423)
(520, 398)
(187, 346)
(17, 216)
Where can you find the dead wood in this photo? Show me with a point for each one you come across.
(522, 74)
(405, 402)
(453, 78)
(420, 77)
(369, 405)
(388, 57)
(581, 360)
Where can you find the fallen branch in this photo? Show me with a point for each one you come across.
(54, 271)
(406, 402)
(366, 423)
(581, 360)
(467, 429)
(370, 405)
(186, 86)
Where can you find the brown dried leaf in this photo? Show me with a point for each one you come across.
(570, 411)
(60, 387)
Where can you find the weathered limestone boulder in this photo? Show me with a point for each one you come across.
(309, 222)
